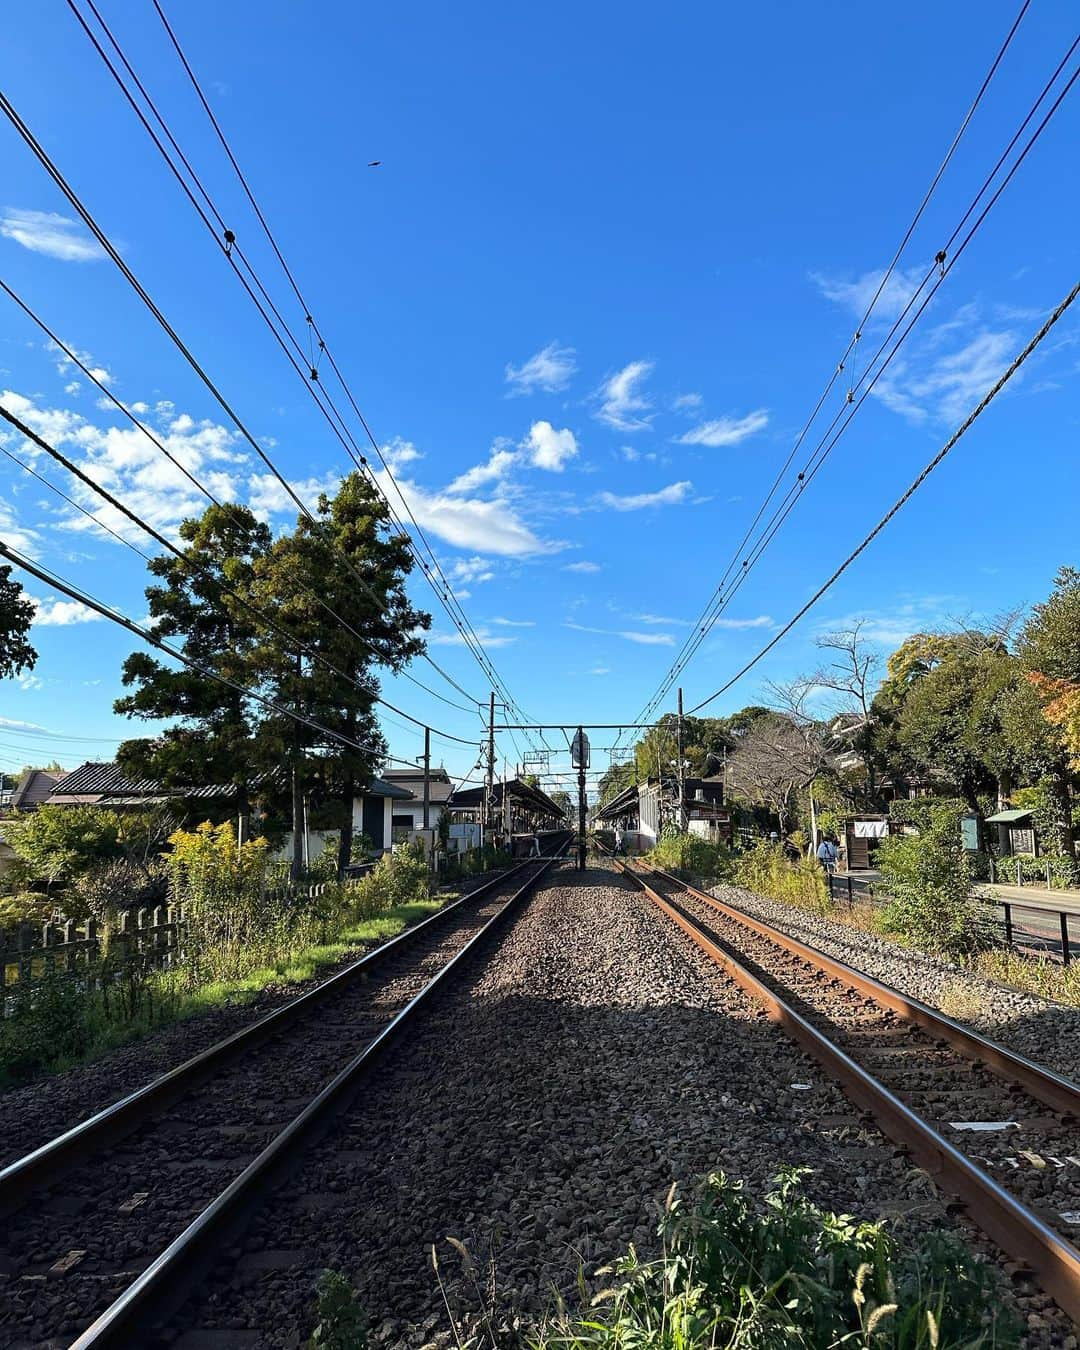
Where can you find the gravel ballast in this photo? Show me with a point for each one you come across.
(539, 1114)
(1045, 1031)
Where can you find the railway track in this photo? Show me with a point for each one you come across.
(997, 1131)
(110, 1225)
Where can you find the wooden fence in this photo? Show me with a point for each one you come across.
(32, 953)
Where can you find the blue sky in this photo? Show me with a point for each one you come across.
(608, 260)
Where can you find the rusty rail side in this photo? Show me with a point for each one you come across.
(44, 1165)
(1019, 1232)
(1053, 1089)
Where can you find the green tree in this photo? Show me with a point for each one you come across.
(336, 630)
(200, 607)
(55, 845)
(16, 616)
(1049, 649)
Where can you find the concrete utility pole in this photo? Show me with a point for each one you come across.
(682, 777)
(427, 777)
(491, 761)
(580, 752)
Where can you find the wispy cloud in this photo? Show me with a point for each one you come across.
(46, 232)
(725, 430)
(622, 405)
(629, 635)
(488, 638)
(662, 619)
(472, 570)
(761, 621)
(471, 523)
(583, 566)
(600, 670)
(498, 465)
(856, 293)
(514, 623)
(17, 535)
(549, 369)
(686, 403)
(946, 386)
(640, 501)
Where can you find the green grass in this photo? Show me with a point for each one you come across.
(67, 1027)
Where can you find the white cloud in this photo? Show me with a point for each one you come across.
(398, 451)
(473, 570)
(457, 639)
(548, 448)
(946, 386)
(469, 523)
(761, 621)
(725, 430)
(53, 613)
(267, 497)
(582, 566)
(514, 623)
(549, 369)
(668, 496)
(856, 293)
(662, 619)
(46, 232)
(27, 680)
(17, 724)
(495, 470)
(629, 635)
(600, 670)
(15, 534)
(72, 388)
(686, 402)
(621, 400)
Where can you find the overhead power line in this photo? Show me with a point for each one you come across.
(227, 243)
(85, 598)
(71, 355)
(196, 566)
(65, 187)
(968, 422)
(721, 595)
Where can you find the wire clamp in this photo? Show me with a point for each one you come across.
(939, 258)
(230, 239)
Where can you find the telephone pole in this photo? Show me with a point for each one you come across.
(427, 777)
(682, 779)
(490, 761)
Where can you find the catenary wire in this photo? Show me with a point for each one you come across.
(723, 597)
(85, 598)
(231, 250)
(968, 422)
(188, 561)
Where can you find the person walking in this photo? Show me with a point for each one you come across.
(827, 854)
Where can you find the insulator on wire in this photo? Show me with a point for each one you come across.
(230, 239)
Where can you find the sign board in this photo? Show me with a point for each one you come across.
(969, 832)
(579, 750)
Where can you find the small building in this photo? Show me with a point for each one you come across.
(34, 789)
(374, 808)
(643, 809)
(408, 815)
(517, 808)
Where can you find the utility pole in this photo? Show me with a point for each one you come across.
(580, 752)
(682, 779)
(427, 777)
(490, 761)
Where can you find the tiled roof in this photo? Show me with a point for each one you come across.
(96, 781)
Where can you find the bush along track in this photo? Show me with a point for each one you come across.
(732, 1275)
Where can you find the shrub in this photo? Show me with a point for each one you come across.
(25, 907)
(766, 870)
(396, 879)
(340, 1321)
(928, 877)
(1064, 871)
(731, 1276)
(676, 851)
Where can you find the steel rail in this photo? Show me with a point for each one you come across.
(43, 1165)
(132, 1318)
(1053, 1089)
(1017, 1230)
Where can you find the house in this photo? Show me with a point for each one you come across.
(408, 815)
(34, 788)
(374, 808)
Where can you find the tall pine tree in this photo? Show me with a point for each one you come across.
(199, 608)
(338, 586)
